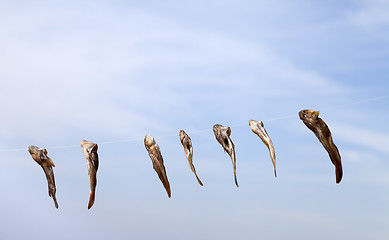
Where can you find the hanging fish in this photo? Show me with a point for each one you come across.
(311, 119)
(258, 128)
(157, 160)
(92, 159)
(222, 135)
(40, 156)
(187, 144)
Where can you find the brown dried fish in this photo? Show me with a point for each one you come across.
(40, 156)
(92, 159)
(258, 128)
(311, 119)
(157, 160)
(222, 135)
(187, 144)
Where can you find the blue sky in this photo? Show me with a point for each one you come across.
(114, 71)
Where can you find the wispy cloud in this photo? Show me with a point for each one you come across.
(87, 75)
(119, 70)
(361, 136)
(371, 15)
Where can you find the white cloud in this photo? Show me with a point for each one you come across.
(73, 70)
(104, 72)
(361, 136)
(372, 13)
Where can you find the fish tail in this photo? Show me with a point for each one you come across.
(164, 180)
(236, 180)
(198, 179)
(167, 188)
(339, 173)
(91, 199)
(234, 165)
(336, 160)
(55, 201)
(274, 164)
(194, 171)
(273, 158)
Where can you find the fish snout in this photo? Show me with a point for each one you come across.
(149, 140)
(302, 114)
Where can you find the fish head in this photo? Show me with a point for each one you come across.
(32, 149)
(256, 124)
(149, 141)
(310, 118)
(252, 123)
(221, 130)
(90, 146)
(308, 114)
(38, 154)
(216, 128)
(83, 142)
(182, 135)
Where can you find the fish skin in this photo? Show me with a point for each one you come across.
(157, 160)
(311, 119)
(92, 159)
(258, 128)
(222, 135)
(40, 157)
(187, 144)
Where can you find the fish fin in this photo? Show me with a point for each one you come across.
(50, 162)
(315, 114)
